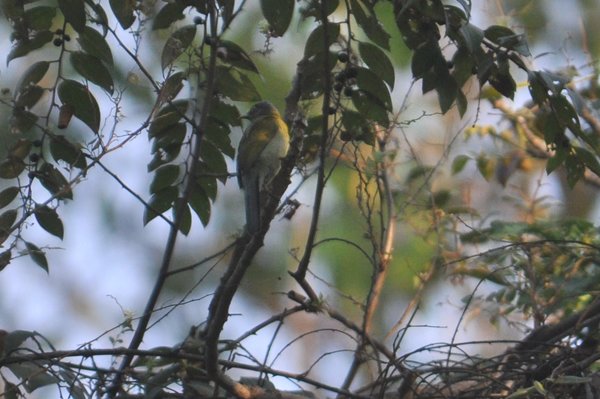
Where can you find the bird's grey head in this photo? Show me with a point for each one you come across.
(262, 108)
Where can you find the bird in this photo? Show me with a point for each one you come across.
(264, 143)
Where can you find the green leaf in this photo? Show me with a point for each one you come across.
(235, 85)
(588, 159)
(49, 220)
(200, 204)
(5, 258)
(504, 83)
(164, 177)
(25, 46)
(458, 164)
(224, 112)
(176, 44)
(378, 62)
(39, 18)
(447, 90)
(218, 134)
(74, 12)
(8, 195)
(53, 181)
(33, 374)
(168, 116)
(316, 42)
(278, 14)
(370, 106)
(11, 168)
(472, 36)
(21, 121)
(63, 150)
(486, 167)
(234, 55)
(7, 219)
(29, 96)
(83, 102)
(32, 75)
(508, 39)
(159, 203)
(92, 69)
(370, 24)
(186, 219)
(168, 14)
(171, 87)
(93, 43)
(557, 160)
(170, 136)
(371, 83)
(214, 160)
(123, 10)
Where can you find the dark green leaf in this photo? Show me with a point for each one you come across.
(5, 258)
(34, 375)
(200, 204)
(371, 107)
(92, 69)
(169, 136)
(37, 255)
(575, 170)
(123, 10)
(226, 113)
(166, 16)
(378, 62)
(371, 83)
(505, 37)
(39, 18)
(356, 125)
(186, 219)
(49, 220)
(8, 195)
(32, 75)
(447, 90)
(171, 87)
(314, 72)
(316, 42)
(20, 149)
(214, 160)
(234, 55)
(557, 160)
(313, 8)
(588, 159)
(11, 168)
(74, 12)
(54, 181)
(278, 14)
(472, 36)
(21, 121)
(504, 83)
(164, 177)
(63, 150)
(7, 219)
(93, 43)
(236, 85)
(459, 163)
(25, 46)
(425, 58)
(83, 102)
(176, 44)
(370, 24)
(29, 96)
(463, 64)
(168, 116)
(218, 133)
(159, 203)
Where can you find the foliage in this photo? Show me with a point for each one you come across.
(66, 117)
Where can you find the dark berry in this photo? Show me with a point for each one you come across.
(37, 143)
(67, 38)
(345, 136)
(348, 91)
(331, 110)
(34, 157)
(342, 56)
(198, 20)
(57, 42)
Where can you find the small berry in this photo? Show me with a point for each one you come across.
(59, 31)
(198, 20)
(345, 136)
(67, 38)
(331, 110)
(57, 42)
(34, 157)
(342, 56)
(37, 143)
(348, 91)
(31, 175)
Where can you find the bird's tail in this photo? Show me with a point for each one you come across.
(252, 201)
